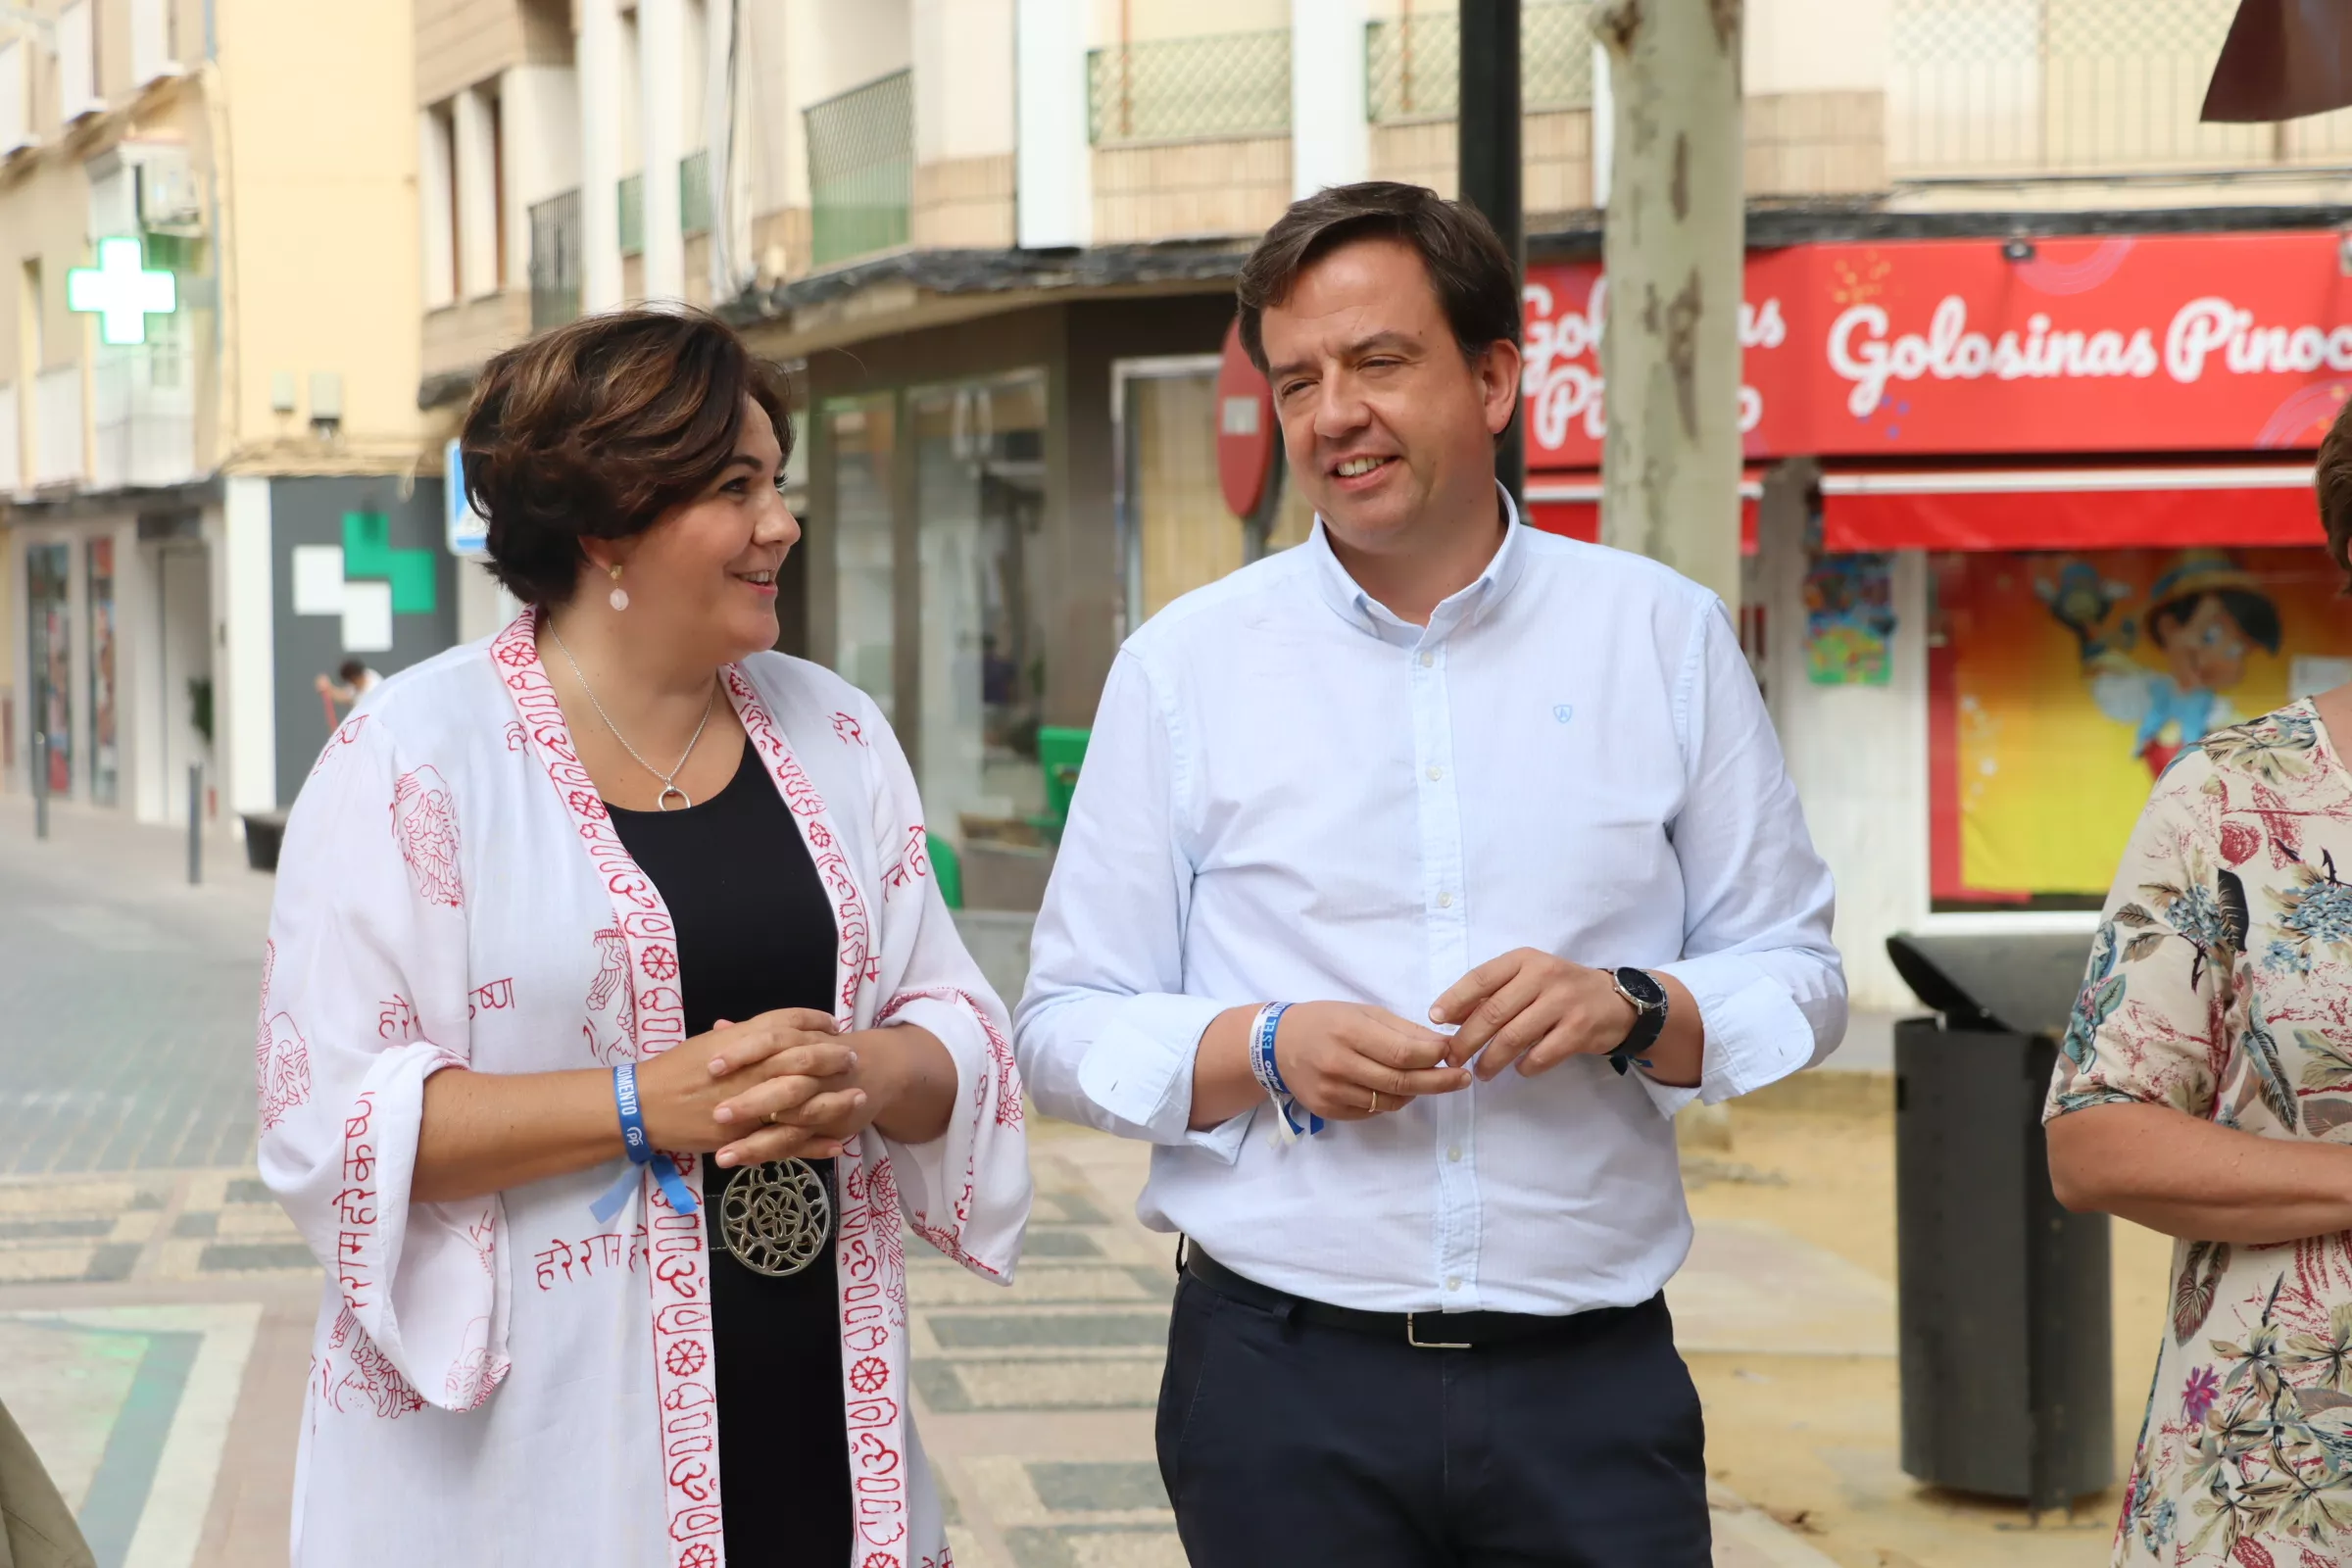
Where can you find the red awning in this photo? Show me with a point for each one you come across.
(2150, 507)
(1570, 503)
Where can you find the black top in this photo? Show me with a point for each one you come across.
(754, 933)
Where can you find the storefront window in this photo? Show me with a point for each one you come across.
(105, 753)
(863, 435)
(2061, 685)
(979, 462)
(46, 571)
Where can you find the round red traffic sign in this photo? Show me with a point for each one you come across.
(1245, 432)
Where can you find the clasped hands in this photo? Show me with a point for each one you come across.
(781, 1085)
(1350, 1062)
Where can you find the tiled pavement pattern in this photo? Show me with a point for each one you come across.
(137, 1248)
(127, 999)
(161, 1225)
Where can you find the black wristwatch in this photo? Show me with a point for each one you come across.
(1648, 999)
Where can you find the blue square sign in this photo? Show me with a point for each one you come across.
(468, 529)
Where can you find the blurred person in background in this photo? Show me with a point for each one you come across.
(2204, 1090)
(612, 1028)
(352, 680)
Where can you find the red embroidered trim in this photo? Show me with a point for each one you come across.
(680, 1273)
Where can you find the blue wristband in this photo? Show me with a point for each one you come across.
(1262, 1065)
(1261, 1049)
(641, 1152)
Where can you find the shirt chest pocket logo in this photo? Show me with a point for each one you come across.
(1563, 711)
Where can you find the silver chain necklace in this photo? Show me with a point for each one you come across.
(668, 787)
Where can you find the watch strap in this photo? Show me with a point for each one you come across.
(1649, 1022)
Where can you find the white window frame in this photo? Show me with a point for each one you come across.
(15, 97)
(152, 56)
(77, 62)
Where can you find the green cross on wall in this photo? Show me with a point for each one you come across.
(121, 292)
(367, 553)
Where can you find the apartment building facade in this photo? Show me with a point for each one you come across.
(996, 238)
(210, 486)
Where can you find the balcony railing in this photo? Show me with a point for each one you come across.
(57, 457)
(1219, 86)
(860, 169)
(1413, 63)
(632, 215)
(556, 261)
(693, 193)
(145, 425)
(2020, 89)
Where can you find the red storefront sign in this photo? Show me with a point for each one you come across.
(2181, 343)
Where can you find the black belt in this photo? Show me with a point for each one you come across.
(1424, 1331)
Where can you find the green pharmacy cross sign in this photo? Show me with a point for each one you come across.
(121, 292)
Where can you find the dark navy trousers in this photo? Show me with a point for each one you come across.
(1284, 1442)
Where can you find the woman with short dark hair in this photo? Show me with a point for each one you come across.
(2205, 1091)
(612, 1028)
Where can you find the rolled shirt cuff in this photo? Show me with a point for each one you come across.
(1140, 1071)
(1755, 1032)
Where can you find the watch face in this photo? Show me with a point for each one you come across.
(1642, 988)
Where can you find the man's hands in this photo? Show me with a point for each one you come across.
(1537, 1010)
(1337, 1056)
(780, 1085)
(1526, 1007)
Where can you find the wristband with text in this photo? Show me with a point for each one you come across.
(641, 1152)
(1262, 1030)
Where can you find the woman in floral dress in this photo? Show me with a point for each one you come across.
(2205, 1091)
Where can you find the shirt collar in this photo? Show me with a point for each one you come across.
(1361, 611)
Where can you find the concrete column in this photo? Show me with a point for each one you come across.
(662, 110)
(244, 687)
(440, 240)
(600, 89)
(472, 125)
(1053, 164)
(1331, 141)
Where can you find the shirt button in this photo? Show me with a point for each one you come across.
(1436, 774)
(1444, 901)
(1453, 1282)
(1454, 1155)
(1427, 658)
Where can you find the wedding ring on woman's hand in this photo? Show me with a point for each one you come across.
(1375, 1102)
(771, 1118)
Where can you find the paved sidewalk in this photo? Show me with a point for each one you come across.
(156, 1307)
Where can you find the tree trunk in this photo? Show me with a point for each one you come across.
(1672, 246)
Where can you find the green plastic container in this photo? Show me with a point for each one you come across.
(948, 867)
(1061, 753)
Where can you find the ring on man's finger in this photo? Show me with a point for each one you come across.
(771, 1118)
(1375, 1102)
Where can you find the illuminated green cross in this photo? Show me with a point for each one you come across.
(121, 292)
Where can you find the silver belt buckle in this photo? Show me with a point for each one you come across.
(1413, 1337)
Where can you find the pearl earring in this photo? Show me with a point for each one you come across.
(619, 598)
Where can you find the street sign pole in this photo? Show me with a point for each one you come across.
(195, 823)
(1490, 178)
(40, 784)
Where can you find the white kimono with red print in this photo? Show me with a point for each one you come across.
(506, 1379)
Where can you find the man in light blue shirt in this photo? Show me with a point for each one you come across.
(1416, 877)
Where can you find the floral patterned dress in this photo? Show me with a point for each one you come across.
(2220, 983)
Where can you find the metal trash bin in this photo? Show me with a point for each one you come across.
(2003, 1320)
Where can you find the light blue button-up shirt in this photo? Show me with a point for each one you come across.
(1294, 795)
